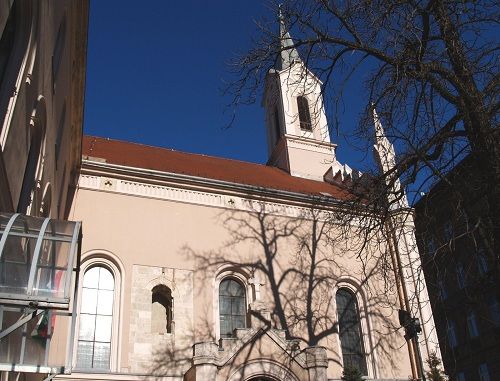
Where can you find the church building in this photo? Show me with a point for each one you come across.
(204, 268)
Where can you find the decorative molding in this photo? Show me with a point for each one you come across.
(190, 196)
(211, 192)
(89, 182)
(310, 144)
(170, 193)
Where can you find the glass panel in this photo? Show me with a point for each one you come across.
(105, 302)
(238, 306)
(224, 287)
(89, 301)
(232, 306)
(235, 289)
(239, 322)
(87, 327)
(225, 305)
(101, 355)
(36, 339)
(106, 280)
(103, 328)
(91, 278)
(50, 269)
(84, 355)
(10, 345)
(225, 326)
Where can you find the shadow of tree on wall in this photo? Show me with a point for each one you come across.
(296, 265)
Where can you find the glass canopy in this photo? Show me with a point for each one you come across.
(38, 258)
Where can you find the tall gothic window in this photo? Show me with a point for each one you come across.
(304, 115)
(7, 41)
(232, 306)
(96, 319)
(161, 309)
(351, 340)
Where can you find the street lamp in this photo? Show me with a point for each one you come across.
(412, 329)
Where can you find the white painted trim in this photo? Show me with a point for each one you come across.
(101, 169)
(202, 196)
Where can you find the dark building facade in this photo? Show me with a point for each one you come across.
(461, 272)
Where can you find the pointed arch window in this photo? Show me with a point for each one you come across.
(7, 41)
(161, 309)
(351, 340)
(304, 114)
(232, 306)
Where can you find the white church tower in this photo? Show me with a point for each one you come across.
(297, 130)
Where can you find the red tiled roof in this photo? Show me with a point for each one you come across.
(210, 167)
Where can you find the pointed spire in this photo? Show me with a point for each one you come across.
(289, 54)
(384, 150)
(385, 155)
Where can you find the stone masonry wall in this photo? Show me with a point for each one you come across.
(153, 352)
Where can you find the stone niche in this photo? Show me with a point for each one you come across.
(157, 339)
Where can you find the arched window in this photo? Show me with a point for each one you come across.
(96, 319)
(16, 48)
(57, 52)
(304, 115)
(29, 197)
(7, 42)
(232, 306)
(161, 309)
(351, 340)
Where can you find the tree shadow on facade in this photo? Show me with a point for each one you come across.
(316, 294)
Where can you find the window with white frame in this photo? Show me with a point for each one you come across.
(452, 334)
(472, 325)
(484, 374)
(232, 306)
(96, 319)
(350, 334)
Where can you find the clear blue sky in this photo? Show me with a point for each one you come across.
(155, 71)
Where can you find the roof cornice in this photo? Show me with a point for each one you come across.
(211, 185)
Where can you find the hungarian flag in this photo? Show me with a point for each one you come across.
(41, 331)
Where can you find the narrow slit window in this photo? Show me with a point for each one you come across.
(351, 339)
(96, 319)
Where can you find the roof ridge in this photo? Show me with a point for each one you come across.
(180, 151)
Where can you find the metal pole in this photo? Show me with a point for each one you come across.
(419, 357)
